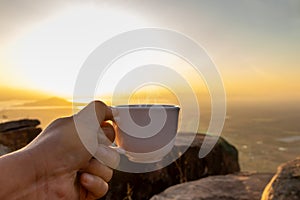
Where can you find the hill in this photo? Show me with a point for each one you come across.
(8, 93)
(53, 101)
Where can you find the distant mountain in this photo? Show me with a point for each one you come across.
(8, 93)
(53, 101)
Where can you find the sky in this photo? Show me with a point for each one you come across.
(255, 44)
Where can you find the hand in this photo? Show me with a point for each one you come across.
(61, 166)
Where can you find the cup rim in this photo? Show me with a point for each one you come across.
(147, 106)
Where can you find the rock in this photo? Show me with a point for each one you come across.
(4, 150)
(242, 186)
(223, 159)
(17, 134)
(13, 125)
(286, 182)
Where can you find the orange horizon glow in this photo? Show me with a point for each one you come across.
(32, 63)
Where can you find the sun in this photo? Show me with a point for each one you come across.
(49, 57)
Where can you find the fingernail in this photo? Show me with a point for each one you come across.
(87, 178)
(117, 119)
(114, 111)
(119, 150)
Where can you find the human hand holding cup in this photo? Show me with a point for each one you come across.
(145, 132)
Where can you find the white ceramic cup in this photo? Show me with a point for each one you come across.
(146, 132)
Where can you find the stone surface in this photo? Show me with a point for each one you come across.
(242, 186)
(14, 125)
(286, 182)
(4, 150)
(223, 159)
(17, 134)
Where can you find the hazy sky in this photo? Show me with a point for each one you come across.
(254, 43)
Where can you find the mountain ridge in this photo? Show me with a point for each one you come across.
(10, 93)
(52, 101)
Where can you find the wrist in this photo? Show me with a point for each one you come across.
(18, 174)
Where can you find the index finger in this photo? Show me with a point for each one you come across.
(103, 112)
(98, 109)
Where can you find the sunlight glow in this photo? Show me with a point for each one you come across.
(114, 74)
(150, 92)
(50, 56)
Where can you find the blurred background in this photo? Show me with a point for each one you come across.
(255, 45)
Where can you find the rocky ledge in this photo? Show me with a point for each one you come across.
(16, 134)
(240, 186)
(286, 182)
(284, 185)
(223, 159)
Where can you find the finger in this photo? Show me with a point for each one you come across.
(102, 138)
(108, 130)
(87, 123)
(98, 169)
(94, 114)
(95, 186)
(108, 156)
(103, 111)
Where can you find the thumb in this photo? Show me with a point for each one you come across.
(87, 123)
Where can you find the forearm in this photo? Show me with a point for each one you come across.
(17, 175)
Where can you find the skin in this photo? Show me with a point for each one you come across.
(56, 165)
